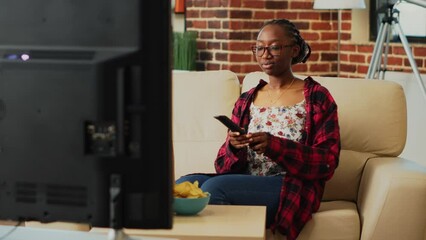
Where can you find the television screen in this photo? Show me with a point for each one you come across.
(85, 112)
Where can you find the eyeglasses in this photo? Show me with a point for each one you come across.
(274, 50)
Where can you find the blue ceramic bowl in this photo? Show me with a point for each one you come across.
(190, 206)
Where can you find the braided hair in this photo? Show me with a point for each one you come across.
(291, 30)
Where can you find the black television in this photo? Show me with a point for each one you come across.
(85, 112)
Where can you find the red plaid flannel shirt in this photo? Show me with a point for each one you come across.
(308, 163)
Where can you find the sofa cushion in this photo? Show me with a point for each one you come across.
(197, 136)
(345, 183)
(378, 126)
(337, 220)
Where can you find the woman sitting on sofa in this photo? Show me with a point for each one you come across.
(292, 143)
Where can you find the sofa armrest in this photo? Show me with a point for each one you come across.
(392, 199)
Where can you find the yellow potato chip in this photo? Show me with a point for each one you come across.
(188, 190)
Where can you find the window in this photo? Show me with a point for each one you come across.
(412, 18)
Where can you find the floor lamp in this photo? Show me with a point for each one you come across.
(339, 5)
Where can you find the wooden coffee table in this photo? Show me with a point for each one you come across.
(214, 222)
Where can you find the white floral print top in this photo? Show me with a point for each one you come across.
(285, 122)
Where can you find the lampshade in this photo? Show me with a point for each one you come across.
(339, 4)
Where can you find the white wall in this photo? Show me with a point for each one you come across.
(415, 148)
(178, 20)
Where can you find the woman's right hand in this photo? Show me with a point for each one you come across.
(239, 141)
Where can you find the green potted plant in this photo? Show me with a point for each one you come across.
(184, 50)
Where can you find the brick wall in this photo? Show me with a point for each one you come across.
(227, 28)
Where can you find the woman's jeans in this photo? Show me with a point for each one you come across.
(240, 189)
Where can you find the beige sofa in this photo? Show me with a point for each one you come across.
(374, 194)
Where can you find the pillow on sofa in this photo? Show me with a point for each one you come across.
(197, 136)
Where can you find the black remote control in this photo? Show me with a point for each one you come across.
(230, 124)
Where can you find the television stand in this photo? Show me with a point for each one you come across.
(115, 231)
(119, 234)
(116, 224)
(115, 202)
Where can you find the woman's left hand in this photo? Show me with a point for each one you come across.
(259, 142)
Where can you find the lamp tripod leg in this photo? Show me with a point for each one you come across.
(377, 52)
(410, 57)
(382, 70)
